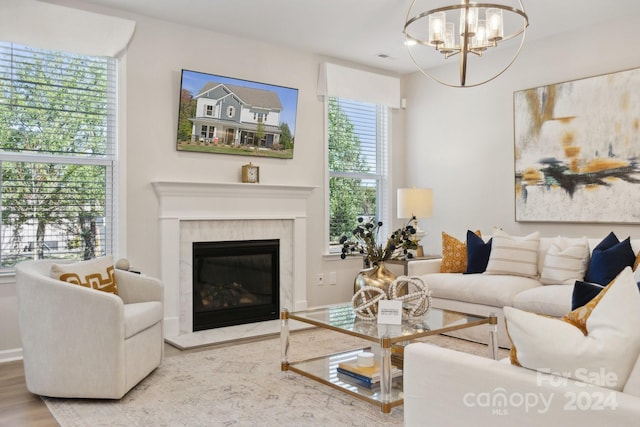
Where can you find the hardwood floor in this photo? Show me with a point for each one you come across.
(20, 408)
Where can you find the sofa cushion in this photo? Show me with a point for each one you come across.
(551, 300)
(494, 291)
(514, 255)
(97, 273)
(141, 315)
(609, 258)
(607, 353)
(478, 252)
(565, 262)
(454, 254)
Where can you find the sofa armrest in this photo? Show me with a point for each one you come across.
(449, 388)
(420, 267)
(134, 287)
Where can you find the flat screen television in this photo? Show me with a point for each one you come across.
(224, 115)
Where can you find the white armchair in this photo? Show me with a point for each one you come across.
(80, 342)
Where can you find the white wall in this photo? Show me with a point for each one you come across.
(158, 52)
(460, 141)
(156, 55)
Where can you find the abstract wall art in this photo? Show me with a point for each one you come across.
(577, 147)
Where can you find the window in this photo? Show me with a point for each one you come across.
(209, 110)
(57, 154)
(231, 111)
(357, 165)
(207, 132)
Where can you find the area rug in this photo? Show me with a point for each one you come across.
(239, 385)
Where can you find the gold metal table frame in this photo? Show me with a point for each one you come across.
(341, 318)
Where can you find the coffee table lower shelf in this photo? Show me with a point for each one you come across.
(323, 370)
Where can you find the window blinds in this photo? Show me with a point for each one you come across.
(57, 153)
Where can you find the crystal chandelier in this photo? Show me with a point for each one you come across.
(480, 27)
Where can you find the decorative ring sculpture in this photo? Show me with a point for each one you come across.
(365, 302)
(419, 297)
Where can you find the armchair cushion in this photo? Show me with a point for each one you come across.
(141, 315)
(98, 273)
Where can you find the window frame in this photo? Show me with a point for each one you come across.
(382, 175)
(114, 197)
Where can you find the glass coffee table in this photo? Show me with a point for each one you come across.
(387, 340)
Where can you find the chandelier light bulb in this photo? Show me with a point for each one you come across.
(436, 28)
(480, 40)
(496, 26)
(470, 20)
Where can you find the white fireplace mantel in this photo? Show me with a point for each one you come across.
(211, 202)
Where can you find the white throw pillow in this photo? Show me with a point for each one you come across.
(566, 261)
(604, 355)
(513, 255)
(97, 273)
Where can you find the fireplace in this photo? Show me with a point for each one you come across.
(235, 282)
(212, 211)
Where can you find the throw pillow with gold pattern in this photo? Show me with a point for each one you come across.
(98, 273)
(454, 254)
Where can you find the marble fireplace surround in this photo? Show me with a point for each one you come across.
(198, 211)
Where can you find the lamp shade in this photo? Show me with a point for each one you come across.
(415, 201)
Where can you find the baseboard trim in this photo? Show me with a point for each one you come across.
(10, 355)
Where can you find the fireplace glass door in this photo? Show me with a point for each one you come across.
(235, 282)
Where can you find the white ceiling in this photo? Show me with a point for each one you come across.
(355, 30)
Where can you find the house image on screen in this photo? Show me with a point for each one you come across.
(236, 115)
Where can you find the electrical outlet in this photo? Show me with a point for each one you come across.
(320, 279)
(332, 278)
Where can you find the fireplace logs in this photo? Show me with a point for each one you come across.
(226, 295)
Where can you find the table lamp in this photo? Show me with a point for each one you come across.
(415, 203)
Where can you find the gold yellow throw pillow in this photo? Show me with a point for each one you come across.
(98, 273)
(454, 254)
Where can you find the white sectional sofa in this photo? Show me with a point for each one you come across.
(581, 370)
(483, 293)
(447, 388)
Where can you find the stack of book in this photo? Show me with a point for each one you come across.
(367, 377)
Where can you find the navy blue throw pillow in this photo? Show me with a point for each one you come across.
(477, 253)
(608, 259)
(583, 292)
